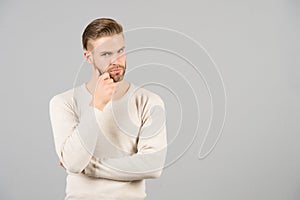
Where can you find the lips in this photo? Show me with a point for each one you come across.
(116, 70)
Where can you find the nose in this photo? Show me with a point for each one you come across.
(116, 60)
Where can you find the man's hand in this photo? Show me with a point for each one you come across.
(104, 90)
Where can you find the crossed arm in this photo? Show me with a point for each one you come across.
(75, 142)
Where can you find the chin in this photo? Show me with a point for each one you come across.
(118, 79)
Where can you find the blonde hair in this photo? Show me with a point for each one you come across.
(100, 28)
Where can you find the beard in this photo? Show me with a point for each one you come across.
(117, 76)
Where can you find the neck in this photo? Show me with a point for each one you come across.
(121, 89)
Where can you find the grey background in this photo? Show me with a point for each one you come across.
(256, 47)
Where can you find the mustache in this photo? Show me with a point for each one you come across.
(116, 67)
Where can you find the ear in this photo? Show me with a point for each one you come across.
(88, 56)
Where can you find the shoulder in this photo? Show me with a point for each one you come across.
(65, 98)
(145, 96)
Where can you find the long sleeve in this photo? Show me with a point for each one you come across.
(149, 160)
(75, 138)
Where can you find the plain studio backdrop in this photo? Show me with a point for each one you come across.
(254, 46)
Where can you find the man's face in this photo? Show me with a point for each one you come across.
(108, 55)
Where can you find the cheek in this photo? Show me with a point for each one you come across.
(102, 63)
(123, 58)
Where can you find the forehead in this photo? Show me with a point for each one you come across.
(108, 43)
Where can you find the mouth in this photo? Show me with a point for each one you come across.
(115, 70)
(117, 73)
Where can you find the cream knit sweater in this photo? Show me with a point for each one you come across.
(108, 154)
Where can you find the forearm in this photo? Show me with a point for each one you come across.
(147, 163)
(130, 168)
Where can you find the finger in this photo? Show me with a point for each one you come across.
(105, 76)
(113, 84)
(108, 80)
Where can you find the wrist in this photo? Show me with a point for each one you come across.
(99, 106)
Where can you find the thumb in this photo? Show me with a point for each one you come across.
(105, 76)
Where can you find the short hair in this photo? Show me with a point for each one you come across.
(98, 28)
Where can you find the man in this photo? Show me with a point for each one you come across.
(109, 134)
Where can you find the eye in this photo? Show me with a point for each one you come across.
(121, 50)
(105, 54)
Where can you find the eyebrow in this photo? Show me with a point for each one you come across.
(110, 51)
